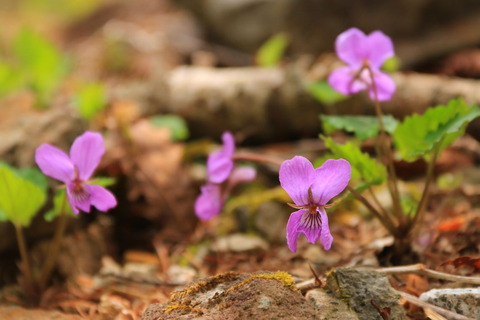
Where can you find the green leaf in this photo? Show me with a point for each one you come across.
(35, 176)
(391, 65)
(10, 80)
(104, 181)
(3, 216)
(363, 127)
(323, 92)
(178, 127)
(271, 52)
(41, 64)
(20, 199)
(60, 203)
(364, 167)
(90, 100)
(418, 135)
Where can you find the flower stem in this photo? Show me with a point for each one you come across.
(387, 152)
(22, 247)
(256, 158)
(55, 245)
(426, 189)
(384, 219)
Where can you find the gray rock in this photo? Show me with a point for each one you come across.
(358, 287)
(329, 307)
(465, 301)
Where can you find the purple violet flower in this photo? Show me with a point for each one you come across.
(221, 178)
(362, 52)
(311, 189)
(75, 171)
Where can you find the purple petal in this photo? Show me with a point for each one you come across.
(209, 203)
(330, 179)
(101, 198)
(220, 163)
(54, 163)
(292, 229)
(79, 201)
(242, 174)
(351, 47)
(296, 176)
(385, 87)
(380, 48)
(342, 80)
(311, 226)
(86, 153)
(326, 237)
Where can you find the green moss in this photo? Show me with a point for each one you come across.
(280, 276)
(173, 307)
(203, 285)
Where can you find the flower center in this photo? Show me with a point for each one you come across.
(77, 188)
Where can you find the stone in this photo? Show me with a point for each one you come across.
(231, 295)
(358, 287)
(239, 242)
(464, 301)
(329, 307)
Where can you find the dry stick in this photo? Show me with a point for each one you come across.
(384, 219)
(392, 178)
(421, 269)
(55, 245)
(443, 312)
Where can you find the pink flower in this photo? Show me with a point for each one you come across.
(311, 189)
(221, 178)
(75, 171)
(363, 52)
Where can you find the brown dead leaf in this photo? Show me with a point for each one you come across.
(464, 261)
(452, 224)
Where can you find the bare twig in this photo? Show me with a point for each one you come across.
(443, 312)
(421, 269)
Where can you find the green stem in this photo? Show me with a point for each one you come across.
(22, 247)
(55, 245)
(387, 152)
(426, 190)
(256, 158)
(384, 219)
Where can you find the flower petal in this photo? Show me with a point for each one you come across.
(311, 226)
(330, 179)
(292, 229)
(326, 237)
(296, 176)
(242, 174)
(342, 80)
(380, 48)
(351, 47)
(385, 87)
(101, 198)
(54, 163)
(220, 163)
(78, 202)
(209, 203)
(86, 153)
